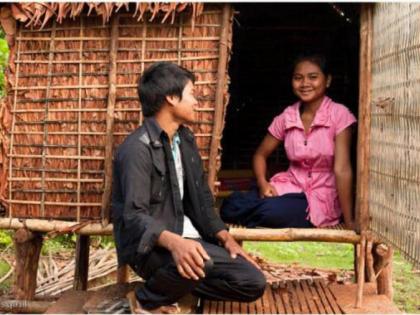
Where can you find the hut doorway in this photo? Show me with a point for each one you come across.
(266, 39)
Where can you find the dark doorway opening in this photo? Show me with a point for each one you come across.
(266, 39)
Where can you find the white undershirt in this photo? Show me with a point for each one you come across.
(189, 231)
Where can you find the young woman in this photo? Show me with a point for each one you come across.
(316, 190)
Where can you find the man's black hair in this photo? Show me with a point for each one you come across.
(160, 80)
(316, 58)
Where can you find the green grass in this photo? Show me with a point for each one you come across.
(406, 282)
(4, 268)
(308, 254)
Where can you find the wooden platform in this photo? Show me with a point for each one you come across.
(291, 297)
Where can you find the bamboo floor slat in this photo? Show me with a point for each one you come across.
(293, 297)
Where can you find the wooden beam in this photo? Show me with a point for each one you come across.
(224, 48)
(363, 143)
(295, 234)
(39, 225)
(82, 263)
(24, 306)
(106, 196)
(27, 250)
(240, 234)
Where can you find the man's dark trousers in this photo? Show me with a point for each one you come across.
(226, 279)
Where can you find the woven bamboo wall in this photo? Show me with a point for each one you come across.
(59, 100)
(395, 135)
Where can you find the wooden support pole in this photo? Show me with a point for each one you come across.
(383, 256)
(82, 263)
(110, 120)
(363, 140)
(28, 248)
(361, 251)
(355, 260)
(370, 272)
(220, 96)
(123, 275)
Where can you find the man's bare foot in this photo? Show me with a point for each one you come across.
(136, 307)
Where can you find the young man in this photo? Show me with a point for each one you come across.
(164, 221)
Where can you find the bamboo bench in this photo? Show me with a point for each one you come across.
(379, 270)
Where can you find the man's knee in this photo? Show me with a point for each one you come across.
(256, 285)
(251, 283)
(208, 266)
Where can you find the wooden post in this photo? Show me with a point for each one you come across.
(220, 93)
(362, 192)
(82, 263)
(28, 248)
(363, 143)
(123, 275)
(383, 255)
(361, 252)
(355, 260)
(110, 120)
(370, 272)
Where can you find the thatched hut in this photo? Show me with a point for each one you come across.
(72, 98)
(72, 95)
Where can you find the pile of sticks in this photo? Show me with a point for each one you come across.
(276, 273)
(56, 275)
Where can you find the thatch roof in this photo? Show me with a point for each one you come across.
(37, 14)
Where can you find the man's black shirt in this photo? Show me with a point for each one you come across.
(145, 194)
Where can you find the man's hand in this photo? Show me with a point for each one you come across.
(189, 255)
(233, 247)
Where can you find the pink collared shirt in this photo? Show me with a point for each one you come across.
(311, 158)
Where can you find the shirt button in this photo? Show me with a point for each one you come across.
(196, 183)
(192, 160)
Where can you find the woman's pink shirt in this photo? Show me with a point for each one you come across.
(311, 158)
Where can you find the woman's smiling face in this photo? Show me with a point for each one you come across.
(309, 82)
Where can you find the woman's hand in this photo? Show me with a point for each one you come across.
(267, 190)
